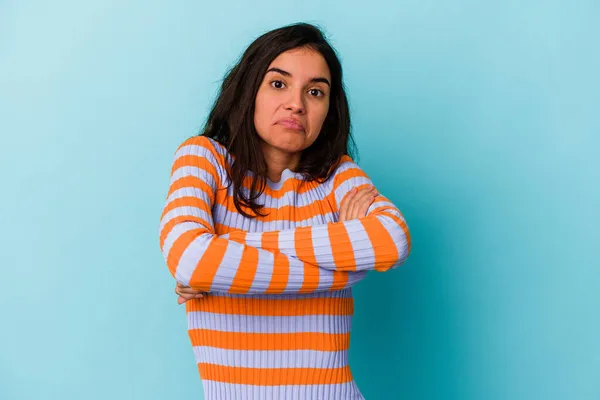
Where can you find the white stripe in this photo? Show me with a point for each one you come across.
(197, 172)
(269, 324)
(199, 151)
(335, 294)
(398, 236)
(221, 214)
(227, 269)
(220, 390)
(191, 256)
(271, 358)
(175, 233)
(355, 277)
(184, 211)
(348, 184)
(188, 191)
(325, 279)
(379, 204)
(322, 246)
(266, 262)
(365, 257)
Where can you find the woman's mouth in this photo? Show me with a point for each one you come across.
(291, 123)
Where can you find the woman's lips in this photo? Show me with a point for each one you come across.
(291, 124)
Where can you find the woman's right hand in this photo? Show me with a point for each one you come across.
(356, 203)
(187, 293)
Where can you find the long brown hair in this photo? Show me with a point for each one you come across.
(231, 120)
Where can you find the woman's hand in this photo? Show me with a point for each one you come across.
(356, 203)
(187, 293)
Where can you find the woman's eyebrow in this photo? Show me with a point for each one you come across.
(285, 73)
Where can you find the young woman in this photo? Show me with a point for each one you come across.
(268, 223)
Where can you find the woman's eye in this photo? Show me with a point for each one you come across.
(277, 84)
(316, 92)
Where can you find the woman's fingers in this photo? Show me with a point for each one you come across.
(362, 211)
(182, 299)
(365, 196)
(346, 201)
(186, 293)
(188, 290)
(179, 288)
(187, 296)
(357, 203)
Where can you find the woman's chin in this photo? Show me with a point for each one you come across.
(289, 146)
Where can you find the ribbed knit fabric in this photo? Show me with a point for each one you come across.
(276, 322)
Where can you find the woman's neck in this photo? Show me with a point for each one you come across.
(277, 161)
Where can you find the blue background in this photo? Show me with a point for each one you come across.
(480, 121)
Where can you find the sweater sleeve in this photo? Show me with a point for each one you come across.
(379, 241)
(199, 258)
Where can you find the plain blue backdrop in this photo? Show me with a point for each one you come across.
(480, 120)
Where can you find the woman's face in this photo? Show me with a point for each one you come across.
(293, 100)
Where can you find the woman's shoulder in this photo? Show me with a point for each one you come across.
(207, 147)
(346, 163)
(202, 141)
(349, 171)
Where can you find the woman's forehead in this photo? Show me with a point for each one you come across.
(301, 63)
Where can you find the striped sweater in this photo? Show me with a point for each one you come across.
(276, 322)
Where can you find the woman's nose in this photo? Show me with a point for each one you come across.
(295, 102)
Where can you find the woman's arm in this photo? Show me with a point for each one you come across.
(198, 258)
(380, 241)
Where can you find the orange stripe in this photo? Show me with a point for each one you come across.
(274, 376)
(382, 211)
(246, 272)
(341, 246)
(386, 253)
(206, 143)
(186, 201)
(221, 229)
(350, 173)
(191, 181)
(270, 240)
(281, 274)
(340, 280)
(272, 307)
(179, 246)
(270, 341)
(184, 218)
(190, 160)
(281, 265)
(403, 226)
(238, 236)
(209, 263)
(306, 252)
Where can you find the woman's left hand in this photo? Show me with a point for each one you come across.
(356, 203)
(187, 293)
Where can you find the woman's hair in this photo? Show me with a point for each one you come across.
(231, 120)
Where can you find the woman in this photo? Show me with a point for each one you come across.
(268, 214)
